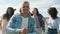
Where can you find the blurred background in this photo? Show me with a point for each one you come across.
(42, 6)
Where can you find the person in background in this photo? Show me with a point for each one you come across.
(5, 18)
(54, 21)
(0, 25)
(22, 23)
(39, 21)
(30, 13)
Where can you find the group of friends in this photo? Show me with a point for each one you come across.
(24, 23)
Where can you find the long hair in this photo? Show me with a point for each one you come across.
(37, 11)
(7, 15)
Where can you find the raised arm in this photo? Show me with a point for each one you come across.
(44, 19)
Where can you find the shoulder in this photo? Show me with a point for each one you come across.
(3, 16)
(58, 19)
(40, 15)
(16, 15)
(32, 19)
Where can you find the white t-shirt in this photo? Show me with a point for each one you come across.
(24, 22)
(54, 23)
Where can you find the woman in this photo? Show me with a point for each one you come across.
(0, 25)
(39, 21)
(54, 21)
(6, 17)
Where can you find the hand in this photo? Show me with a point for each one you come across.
(23, 31)
(34, 13)
(43, 19)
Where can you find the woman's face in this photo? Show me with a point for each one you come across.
(9, 10)
(34, 11)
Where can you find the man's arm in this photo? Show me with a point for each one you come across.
(11, 26)
(34, 26)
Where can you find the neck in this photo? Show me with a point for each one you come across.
(25, 15)
(54, 17)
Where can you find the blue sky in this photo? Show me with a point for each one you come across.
(42, 5)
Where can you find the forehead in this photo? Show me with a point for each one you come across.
(8, 9)
(25, 4)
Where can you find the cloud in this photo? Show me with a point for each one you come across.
(56, 5)
(4, 4)
(42, 5)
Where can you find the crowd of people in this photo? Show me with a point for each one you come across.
(24, 23)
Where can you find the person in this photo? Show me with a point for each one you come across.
(29, 12)
(39, 21)
(22, 23)
(0, 25)
(5, 19)
(54, 21)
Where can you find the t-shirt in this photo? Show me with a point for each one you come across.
(24, 22)
(54, 23)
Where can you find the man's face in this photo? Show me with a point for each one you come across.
(25, 8)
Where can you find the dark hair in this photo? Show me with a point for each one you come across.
(6, 15)
(52, 12)
(37, 11)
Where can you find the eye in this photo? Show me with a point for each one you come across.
(25, 6)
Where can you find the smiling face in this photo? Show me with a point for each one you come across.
(25, 7)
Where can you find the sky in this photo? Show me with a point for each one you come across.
(42, 5)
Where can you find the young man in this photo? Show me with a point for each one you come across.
(22, 23)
